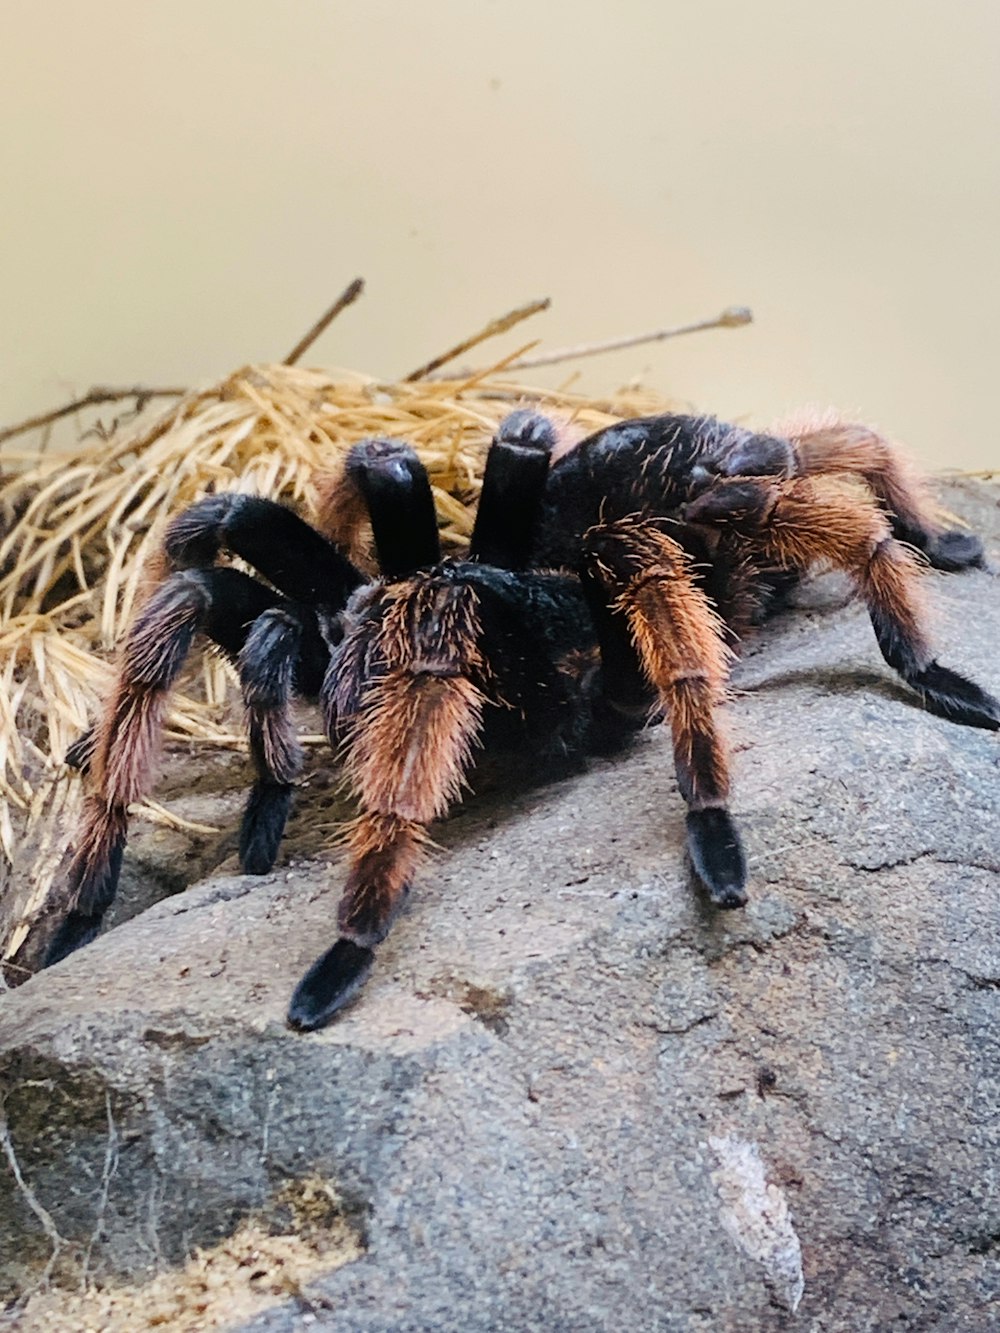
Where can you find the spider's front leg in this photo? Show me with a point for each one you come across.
(410, 729)
(657, 629)
(806, 521)
(284, 655)
(299, 561)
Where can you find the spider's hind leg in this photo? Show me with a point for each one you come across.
(807, 521)
(657, 629)
(827, 443)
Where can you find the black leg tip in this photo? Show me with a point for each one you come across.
(951, 696)
(262, 827)
(717, 856)
(954, 550)
(330, 984)
(728, 898)
(77, 930)
(257, 860)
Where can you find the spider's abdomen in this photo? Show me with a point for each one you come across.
(632, 466)
(652, 465)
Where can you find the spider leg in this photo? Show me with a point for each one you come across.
(291, 554)
(655, 625)
(825, 443)
(399, 693)
(384, 478)
(397, 494)
(805, 521)
(513, 482)
(408, 746)
(284, 654)
(222, 602)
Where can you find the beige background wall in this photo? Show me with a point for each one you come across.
(187, 184)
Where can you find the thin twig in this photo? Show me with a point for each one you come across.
(491, 330)
(94, 398)
(141, 393)
(347, 297)
(732, 318)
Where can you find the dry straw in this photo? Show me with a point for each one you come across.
(78, 528)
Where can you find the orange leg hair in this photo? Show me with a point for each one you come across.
(646, 584)
(825, 442)
(810, 521)
(410, 734)
(342, 517)
(121, 752)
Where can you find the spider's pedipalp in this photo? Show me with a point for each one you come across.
(528, 429)
(513, 482)
(656, 611)
(397, 494)
(297, 559)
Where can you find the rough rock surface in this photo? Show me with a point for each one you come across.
(572, 1097)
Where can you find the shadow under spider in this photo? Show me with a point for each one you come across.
(848, 681)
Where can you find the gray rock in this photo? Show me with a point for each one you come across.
(572, 1097)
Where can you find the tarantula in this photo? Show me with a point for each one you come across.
(604, 582)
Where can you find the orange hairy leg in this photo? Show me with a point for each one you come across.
(409, 736)
(124, 747)
(658, 630)
(828, 443)
(808, 521)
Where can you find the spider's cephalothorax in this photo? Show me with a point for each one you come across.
(596, 591)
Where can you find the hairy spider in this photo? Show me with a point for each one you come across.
(604, 582)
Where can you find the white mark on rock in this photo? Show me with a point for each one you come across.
(756, 1216)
